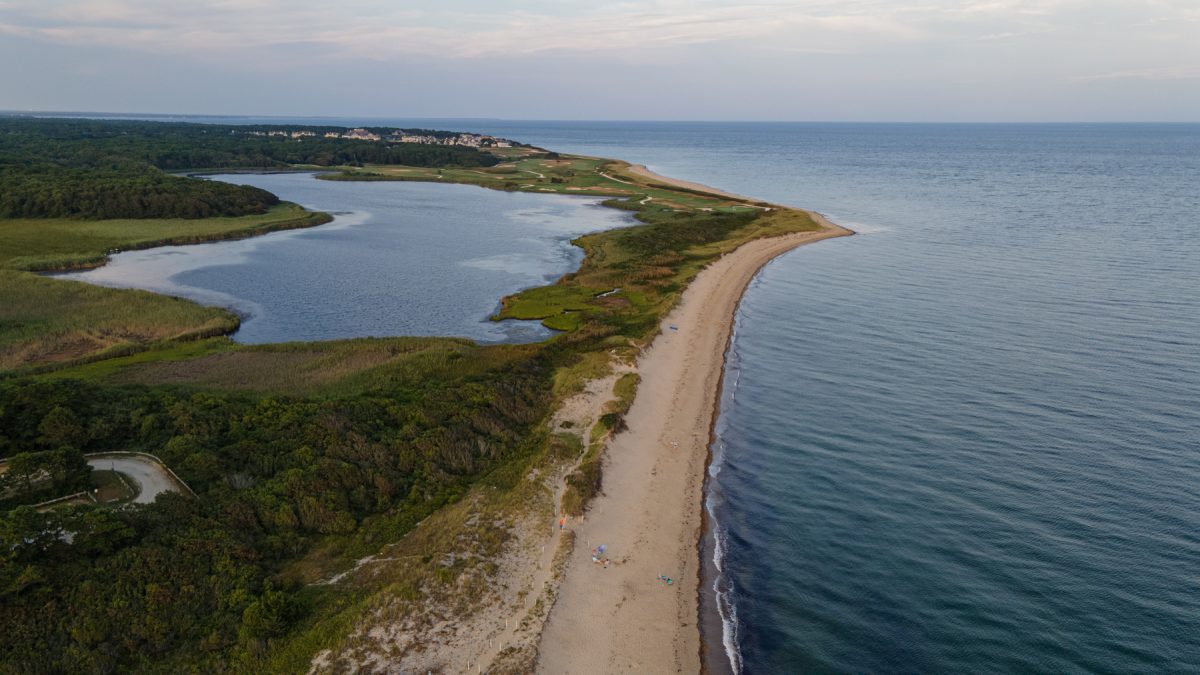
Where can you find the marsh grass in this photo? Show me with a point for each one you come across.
(333, 369)
(58, 244)
(46, 321)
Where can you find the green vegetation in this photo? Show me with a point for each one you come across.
(33, 477)
(50, 191)
(305, 456)
(179, 582)
(66, 168)
(56, 244)
(45, 321)
(111, 487)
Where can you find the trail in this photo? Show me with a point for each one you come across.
(618, 179)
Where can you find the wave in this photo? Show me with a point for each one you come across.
(723, 592)
(722, 586)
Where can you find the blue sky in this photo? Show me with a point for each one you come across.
(905, 60)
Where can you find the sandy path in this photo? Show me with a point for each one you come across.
(622, 618)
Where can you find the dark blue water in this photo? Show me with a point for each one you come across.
(968, 439)
(399, 259)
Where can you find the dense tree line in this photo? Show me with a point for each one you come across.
(85, 589)
(50, 191)
(115, 168)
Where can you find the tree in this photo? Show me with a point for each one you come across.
(61, 427)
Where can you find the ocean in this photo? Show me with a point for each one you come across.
(968, 438)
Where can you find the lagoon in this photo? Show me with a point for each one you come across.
(399, 258)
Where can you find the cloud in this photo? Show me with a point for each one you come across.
(279, 33)
(366, 28)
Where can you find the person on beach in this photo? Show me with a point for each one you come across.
(561, 521)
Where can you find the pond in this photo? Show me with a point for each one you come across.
(399, 258)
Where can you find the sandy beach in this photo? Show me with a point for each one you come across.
(623, 617)
(643, 172)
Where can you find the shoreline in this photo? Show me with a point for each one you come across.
(642, 171)
(651, 511)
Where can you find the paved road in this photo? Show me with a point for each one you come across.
(150, 478)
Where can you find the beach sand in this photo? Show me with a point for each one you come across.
(642, 172)
(622, 617)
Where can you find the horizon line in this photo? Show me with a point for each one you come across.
(99, 113)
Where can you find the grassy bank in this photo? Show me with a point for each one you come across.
(44, 321)
(59, 244)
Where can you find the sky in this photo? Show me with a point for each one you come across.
(819, 60)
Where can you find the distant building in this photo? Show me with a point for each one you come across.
(464, 140)
(361, 135)
(397, 136)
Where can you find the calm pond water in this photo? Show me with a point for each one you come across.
(399, 259)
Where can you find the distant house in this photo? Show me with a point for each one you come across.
(464, 140)
(361, 135)
(411, 138)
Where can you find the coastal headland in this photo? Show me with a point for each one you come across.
(437, 503)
